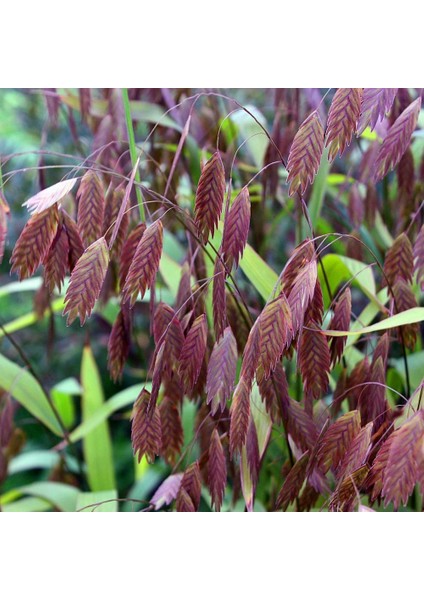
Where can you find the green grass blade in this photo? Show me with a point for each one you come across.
(97, 444)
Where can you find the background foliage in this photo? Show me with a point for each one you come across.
(47, 135)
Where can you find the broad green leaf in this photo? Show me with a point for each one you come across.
(97, 445)
(250, 132)
(415, 368)
(102, 413)
(413, 315)
(28, 505)
(29, 319)
(317, 194)
(171, 272)
(60, 495)
(340, 269)
(27, 285)
(105, 500)
(62, 396)
(36, 459)
(27, 391)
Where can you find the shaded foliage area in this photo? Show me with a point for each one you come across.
(242, 275)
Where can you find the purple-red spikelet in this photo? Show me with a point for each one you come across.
(399, 261)
(56, 262)
(419, 257)
(145, 263)
(91, 207)
(346, 494)
(337, 439)
(356, 453)
(128, 251)
(167, 330)
(340, 322)
(275, 332)
(376, 103)
(236, 229)
(397, 140)
(4, 212)
(217, 470)
(34, 242)
(119, 343)
(252, 452)
(172, 429)
(302, 293)
(76, 247)
(301, 426)
(372, 398)
(86, 282)
(221, 371)
(314, 360)
(219, 299)
(192, 353)
(303, 254)
(85, 103)
(274, 392)
(251, 354)
(146, 436)
(240, 413)
(188, 498)
(305, 154)
(113, 205)
(210, 195)
(293, 483)
(342, 120)
(395, 470)
(404, 299)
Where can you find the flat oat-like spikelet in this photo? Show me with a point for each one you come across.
(342, 120)
(86, 282)
(274, 392)
(397, 140)
(301, 426)
(356, 453)
(145, 263)
(395, 470)
(340, 322)
(76, 247)
(305, 154)
(113, 204)
(4, 211)
(56, 262)
(219, 299)
(275, 332)
(405, 299)
(419, 257)
(146, 436)
(91, 207)
(190, 490)
(337, 439)
(34, 242)
(167, 329)
(128, 251)
(221, 371)
(192, 353)
(119, 343)
(49, 196)
(314, 360)
(376, 103)
(240, 413)
(302, 293)
(210, 195)
(217, 470)
(172, 429)
(236, 229)
(293, 483)
(399, 261)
